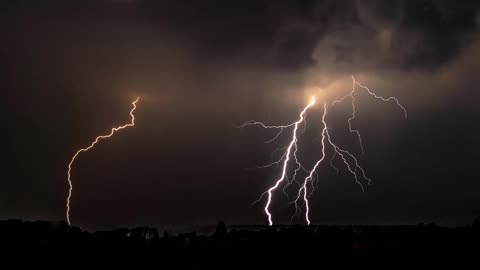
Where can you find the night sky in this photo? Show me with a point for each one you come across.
(69, 72)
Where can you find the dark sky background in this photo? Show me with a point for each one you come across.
(70, 70)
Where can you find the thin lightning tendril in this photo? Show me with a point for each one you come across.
(97, 139)
(280, 128)
(331, 162)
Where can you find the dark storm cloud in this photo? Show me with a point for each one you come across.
(284, 33)
(440, 29)
(70, 70)
(416, 50)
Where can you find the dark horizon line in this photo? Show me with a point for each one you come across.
(199, 228)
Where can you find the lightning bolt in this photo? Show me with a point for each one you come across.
(337, 151)
(285, 156)
(349, 160)
(97, 139)
(309, 178)
(345, 155)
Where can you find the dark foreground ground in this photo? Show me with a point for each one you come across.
(39, 234)
(44, 244)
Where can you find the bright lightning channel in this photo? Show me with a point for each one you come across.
(285, 156)
(309, 178)
(97, 139)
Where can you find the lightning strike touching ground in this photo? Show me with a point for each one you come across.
(292, 144)
(97, 139)
(349, 159)
(308, 179)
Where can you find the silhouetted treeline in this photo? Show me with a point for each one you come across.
(40, 234)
